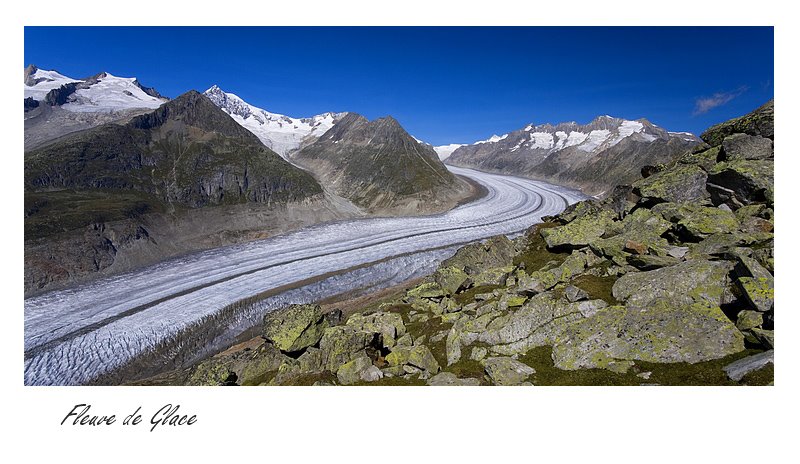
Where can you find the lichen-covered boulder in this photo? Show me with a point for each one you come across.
(341, 343)
(759, 292)
(211, 372)
(650, 262)
(494, 276)
(537, 323)
(448, 379)
(295, 328)
(537, 282)
(706, 159)
(507, 371)
(419, 356)
(389, 325)
(755, 283)
(750, 180)
(574, 294)
(747, 320)
(475, 258)
(759, 122)
(682, 284)
(426, 290)
(684, 182)
(580, 232)
(662, 332)
(747, 147)
(450, 279)
(359, 369)
(720, 243)
(642, 229)
(696, 221)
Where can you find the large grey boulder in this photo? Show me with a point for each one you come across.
(662, 332)
(682, 284)
(748, 147)
(684, 182)
(580, 232)
(698, 222)
(295, 328)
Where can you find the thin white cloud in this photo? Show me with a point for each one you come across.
(705, 104)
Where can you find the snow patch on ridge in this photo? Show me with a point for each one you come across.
(444, 151)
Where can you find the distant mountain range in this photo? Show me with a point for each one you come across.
(592, 157)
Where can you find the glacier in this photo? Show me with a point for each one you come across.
(75, 335)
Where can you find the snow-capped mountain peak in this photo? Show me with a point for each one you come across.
(103, 92)
(281, 133)
(38, 82)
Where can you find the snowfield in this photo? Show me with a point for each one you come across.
(75, 335)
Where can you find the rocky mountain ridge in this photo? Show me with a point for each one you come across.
(380, 167)
(592, 157)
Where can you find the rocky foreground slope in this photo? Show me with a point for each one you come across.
(667, 281)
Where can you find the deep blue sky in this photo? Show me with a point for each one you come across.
(446, 84)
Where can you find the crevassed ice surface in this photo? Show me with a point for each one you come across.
(74, 335)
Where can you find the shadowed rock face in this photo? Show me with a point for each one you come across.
(379, 166)
(187, 152)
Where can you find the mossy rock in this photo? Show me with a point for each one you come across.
(684, 182)
(427, 290)
(580, 232)
(759, 122)
(494, 276)
(450, 278)
(750, 180)
(494, 252)
(448, 379)
(746, 147)
(706, 159)
(506, 371)
(662, 332)
(419, 356)
(295, 328)
(698, 222)
(683, 284)
(759, 292)
(747, 320)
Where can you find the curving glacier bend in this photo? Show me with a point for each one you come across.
(75, 335)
